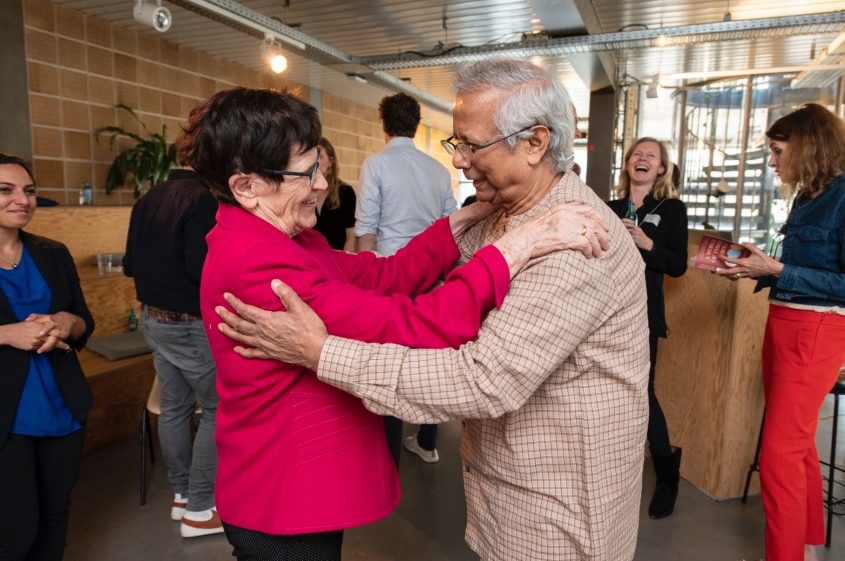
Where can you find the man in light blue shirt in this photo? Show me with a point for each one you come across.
(401, 192)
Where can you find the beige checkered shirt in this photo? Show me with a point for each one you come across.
(552, 393)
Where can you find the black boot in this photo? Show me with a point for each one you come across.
(667, 470)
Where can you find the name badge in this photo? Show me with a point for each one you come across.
(652, 219)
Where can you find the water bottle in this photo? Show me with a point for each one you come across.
(133, 320)
(86, 196)
(632, 213)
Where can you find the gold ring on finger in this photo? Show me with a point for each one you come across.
(584, 231)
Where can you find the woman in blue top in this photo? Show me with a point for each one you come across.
(44, 397)
(804, 345)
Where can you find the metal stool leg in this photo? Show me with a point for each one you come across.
(145, 422)
(149, 435)
(831, 469)
(755, 465)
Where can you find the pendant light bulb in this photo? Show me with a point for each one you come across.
(278, 64)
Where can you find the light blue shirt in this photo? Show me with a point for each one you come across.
(401, 192)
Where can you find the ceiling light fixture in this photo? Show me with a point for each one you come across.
(271, 51)
(653, 90)
(152, 15)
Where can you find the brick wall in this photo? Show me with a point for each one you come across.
(80, 66)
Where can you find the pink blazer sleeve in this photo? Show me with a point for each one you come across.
(448, 316)
(412, 270)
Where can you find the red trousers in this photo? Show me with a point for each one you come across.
(802, 354)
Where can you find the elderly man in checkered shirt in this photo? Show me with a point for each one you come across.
(552, 392)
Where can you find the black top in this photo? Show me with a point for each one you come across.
(166, 248)
(332, 223)
(56, 266)
(669, 254)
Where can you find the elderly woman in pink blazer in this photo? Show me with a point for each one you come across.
(299, 460)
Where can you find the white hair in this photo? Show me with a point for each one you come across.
(533, 96)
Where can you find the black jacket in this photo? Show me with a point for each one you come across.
(669, 254)
(56, 266)
(166, 249)
(333, 223)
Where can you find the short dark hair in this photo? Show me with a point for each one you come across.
(6, 158)
(246, 130)
(400, 114)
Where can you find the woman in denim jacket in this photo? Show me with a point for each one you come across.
(804, 346)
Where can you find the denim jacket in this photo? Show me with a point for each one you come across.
(813, 251)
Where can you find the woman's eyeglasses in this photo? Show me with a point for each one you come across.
(310, 174)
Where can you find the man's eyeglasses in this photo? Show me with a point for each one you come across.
(310, 174)
(467, 150)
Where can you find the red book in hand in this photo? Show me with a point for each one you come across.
(713, 251)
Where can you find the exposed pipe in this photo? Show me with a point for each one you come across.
(788, 26)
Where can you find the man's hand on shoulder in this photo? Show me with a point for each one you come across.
(295, 336)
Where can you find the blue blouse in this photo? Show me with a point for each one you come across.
(42, 410)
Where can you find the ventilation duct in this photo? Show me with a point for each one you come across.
(831, 22)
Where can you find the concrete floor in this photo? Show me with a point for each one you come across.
(107, 524)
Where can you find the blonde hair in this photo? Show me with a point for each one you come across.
(816, 153)
(664, 187)
(332, 175)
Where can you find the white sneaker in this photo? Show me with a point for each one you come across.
(202, 523)
(180, 505)
(428, 456)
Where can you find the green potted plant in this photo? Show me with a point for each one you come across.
(149, 160)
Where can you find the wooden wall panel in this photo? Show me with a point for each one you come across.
(86, 231)
(708, 377)
(745, 392)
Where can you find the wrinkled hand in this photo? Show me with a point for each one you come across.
(295, 335)
(566, 226)
(42, 336)
(640, 239)
(757, 264)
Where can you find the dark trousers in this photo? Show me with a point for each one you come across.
(426, 438)
(393, 431)
(251, 545)
(37, 475)
(658, 432)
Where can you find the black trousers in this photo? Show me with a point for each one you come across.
(658, 432)
(37, 475)
(251, 545)
(426, 438)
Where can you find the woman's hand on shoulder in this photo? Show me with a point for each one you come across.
(574, 226)
(43, 336)
(463, 219)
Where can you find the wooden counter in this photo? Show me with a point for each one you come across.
(709, 377)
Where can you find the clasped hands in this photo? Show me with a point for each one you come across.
(40, 332)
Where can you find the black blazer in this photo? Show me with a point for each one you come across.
(56, 266)
(669, 254)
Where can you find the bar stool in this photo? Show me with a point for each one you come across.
(831, 502)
